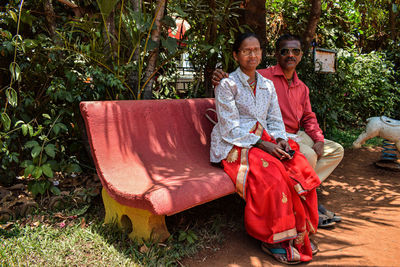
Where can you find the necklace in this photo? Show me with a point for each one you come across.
(289, 81)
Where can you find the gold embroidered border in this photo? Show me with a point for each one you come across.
(233, 155)
(295, 254)
(292, 233)
(299, 189)
(242, 173)
(310, 225)
(300, 238)
(253, 128)
(259, 130)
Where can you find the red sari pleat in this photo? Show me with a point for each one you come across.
(281, 200)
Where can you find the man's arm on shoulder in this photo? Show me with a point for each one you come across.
(217, 76)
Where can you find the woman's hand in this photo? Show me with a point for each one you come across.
(277, 150)
(284, 145)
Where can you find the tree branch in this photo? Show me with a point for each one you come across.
(68, 3)
(315, 14)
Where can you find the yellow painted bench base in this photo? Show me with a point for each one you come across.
(140, 224)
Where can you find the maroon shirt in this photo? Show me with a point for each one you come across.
(294, 102)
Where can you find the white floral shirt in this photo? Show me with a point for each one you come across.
(238, 110)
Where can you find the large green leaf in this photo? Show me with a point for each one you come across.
(13, 15)
(37, 172)
(12, 96)
(36, 151)
(31, 144)
(106, 6)
(50, 150)
(170, 44)
(6, 121)
(15, 71)
(73, 168)
(55, 190)
(29, 169)
(46, 168)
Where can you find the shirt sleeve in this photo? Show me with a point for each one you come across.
(228, 116)
(309, 121)
(275, 124)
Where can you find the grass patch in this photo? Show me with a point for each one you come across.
(347, 137)
(72, 238)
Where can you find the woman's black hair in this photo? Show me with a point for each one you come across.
(241, 37)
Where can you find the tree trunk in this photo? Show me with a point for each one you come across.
(392, 21)
(50, 17)
(254, 15)
(152, 62)
(136, 5)
(110, 25)
(133, 78)
(315, 14)
(211, 36)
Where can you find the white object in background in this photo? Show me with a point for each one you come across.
(384, 127)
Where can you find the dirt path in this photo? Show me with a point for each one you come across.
(367, 198)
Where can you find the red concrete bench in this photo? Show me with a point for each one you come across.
(152, 157)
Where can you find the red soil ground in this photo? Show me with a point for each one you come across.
(367, 198)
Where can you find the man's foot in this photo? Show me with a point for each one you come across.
(331, 215)
(279, 253)
(324, 221)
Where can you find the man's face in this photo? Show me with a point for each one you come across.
(289, 54)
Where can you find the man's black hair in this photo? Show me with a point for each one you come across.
(286, 37)
(241, 37)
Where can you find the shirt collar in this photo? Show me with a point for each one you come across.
(279, 72)
(243, 77)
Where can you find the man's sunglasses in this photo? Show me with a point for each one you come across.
(286, 51)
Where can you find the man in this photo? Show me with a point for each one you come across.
(293, 95)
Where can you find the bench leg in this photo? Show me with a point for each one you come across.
(139, 223)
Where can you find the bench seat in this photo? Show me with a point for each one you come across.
(152, 157)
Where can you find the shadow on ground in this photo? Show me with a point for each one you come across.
(367, 198)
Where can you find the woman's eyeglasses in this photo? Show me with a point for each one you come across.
(247, 52)
(286, 51)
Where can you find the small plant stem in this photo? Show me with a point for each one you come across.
(119, 36)
(15, 50)
(44, 141)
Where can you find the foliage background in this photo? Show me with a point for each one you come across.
(104, 54)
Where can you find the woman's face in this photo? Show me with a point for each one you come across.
(249, 54)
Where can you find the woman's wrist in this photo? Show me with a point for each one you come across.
(258, 143)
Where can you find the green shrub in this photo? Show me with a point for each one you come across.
(368, 86)
(363, 86)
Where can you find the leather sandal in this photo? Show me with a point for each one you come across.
(324, 221)
(278, 254)
(331, 215)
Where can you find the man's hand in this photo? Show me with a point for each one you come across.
(217, 76)
(319, 148)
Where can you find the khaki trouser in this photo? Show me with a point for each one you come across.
(324, 166)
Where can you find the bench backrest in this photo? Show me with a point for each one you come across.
(149, 149)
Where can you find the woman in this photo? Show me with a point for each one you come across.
(250, 141)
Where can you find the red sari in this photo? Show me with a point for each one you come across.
(281, 201)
